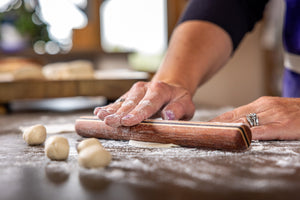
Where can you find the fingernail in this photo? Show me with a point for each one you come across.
(168, 115)
(102, 111)
(112, 120)
(127, 117)
(102, 114)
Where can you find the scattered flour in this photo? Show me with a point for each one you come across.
(265, 166)
(55, 128)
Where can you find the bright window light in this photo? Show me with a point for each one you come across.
(62, 16)
(4, 4)
(134, 25)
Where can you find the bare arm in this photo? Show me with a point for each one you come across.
(197, 50)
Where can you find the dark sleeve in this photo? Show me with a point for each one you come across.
(236, 17)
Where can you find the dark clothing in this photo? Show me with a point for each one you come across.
(236, 17)
(291, 41)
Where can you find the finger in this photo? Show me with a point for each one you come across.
(145, 109)
(129, 104)
(225, 117)
(106, 109)
(110, 109)
(263, 118)
(115, 118)
(265, 130)
(236, 113)
(113, 108)
(149, 105)
(242, 120)
(262, 132)
(182, 108)
(96, 110)
(268, 132)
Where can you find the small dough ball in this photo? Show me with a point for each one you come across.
(88, 142)
(35, 135)
(57, 148)
(94, 157)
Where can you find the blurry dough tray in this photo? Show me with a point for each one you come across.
(111, 88)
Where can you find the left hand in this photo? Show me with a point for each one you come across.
(279, 118)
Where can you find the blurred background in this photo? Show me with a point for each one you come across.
(77, 54)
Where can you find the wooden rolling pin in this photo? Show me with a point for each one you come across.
(221, 136)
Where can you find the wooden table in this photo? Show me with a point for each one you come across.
(110, 88)
(39, 89)
(269, 170)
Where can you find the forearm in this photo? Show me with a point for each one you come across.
(197, 50)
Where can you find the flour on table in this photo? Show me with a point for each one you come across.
(55, 128)
(150, 144)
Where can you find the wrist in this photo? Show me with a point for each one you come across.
(181, 82)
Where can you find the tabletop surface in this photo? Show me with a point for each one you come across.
(267, 170)
(43, 89)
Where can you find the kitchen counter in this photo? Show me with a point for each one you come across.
(267, 170)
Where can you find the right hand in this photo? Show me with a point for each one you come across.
(144, 100)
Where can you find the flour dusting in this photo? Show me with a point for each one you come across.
(266, 166)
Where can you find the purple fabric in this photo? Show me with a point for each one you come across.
(291, 32)
(291, 41)
(291, 83)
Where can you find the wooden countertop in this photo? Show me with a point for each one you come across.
(39, 89)
(268, 170)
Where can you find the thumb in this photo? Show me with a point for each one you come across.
(182, 108)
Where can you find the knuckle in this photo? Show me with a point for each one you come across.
(230, 115)
(139, 84)
(243, 120)
(157, 86)
(267, 100)
(264, 99)
(128, 103)
(273, 104)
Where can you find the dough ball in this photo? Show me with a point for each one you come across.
(57, 148)
(74, 70)
(35, 135)
(94, 157)
(88, 142)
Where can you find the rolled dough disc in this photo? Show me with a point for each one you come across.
(141, 144)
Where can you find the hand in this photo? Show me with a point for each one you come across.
(144, 100)
(279, 118)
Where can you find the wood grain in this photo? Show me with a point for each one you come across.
(39, 89)
(221, 136)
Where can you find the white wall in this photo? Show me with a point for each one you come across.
(241, 80)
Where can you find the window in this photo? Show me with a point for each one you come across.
(134, 25)
(21, 24)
